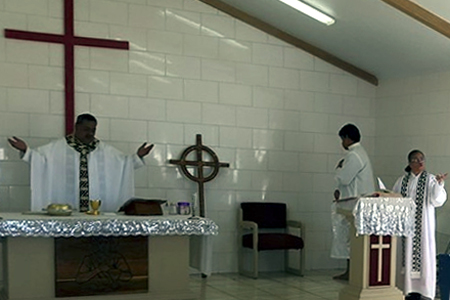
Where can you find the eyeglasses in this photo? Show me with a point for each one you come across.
(418, 160)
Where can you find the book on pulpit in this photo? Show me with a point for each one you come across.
(381, 192)
(382, 188)
(384, 192)
(346, 199)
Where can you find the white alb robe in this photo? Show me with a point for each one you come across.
(424, 282)
(354, 179)
(55, 175)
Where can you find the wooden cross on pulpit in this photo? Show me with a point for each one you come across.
(199, 164)
(380, 260)
(69, 41)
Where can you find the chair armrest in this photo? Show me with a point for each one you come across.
(295, 224)
(248, 225)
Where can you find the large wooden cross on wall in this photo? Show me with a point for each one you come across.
(69, 41)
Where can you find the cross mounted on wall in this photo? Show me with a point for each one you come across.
(69, 41)
(199, 164)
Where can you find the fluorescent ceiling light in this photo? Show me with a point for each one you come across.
(310, 11)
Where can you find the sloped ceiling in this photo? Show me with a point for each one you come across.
(368, 34)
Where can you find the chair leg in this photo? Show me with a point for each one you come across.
(240, 260)
(286, 261)
(299, 270)
(255, 263)
(302, 262)
(253, 273)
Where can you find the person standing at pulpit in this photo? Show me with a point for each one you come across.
(354, 178)
(79, 167)
(417, 273)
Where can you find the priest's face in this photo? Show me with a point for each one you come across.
(85, 131)
(417, 163)
(346, 142)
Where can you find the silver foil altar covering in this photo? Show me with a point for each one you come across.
(18, 225)
(385, 216)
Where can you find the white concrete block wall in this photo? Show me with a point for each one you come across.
(413, 113)
(272, 111)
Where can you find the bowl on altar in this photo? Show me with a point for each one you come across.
(58, 209)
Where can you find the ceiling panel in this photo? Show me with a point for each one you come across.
(369, 34)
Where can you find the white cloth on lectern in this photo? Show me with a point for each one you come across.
(55, 170)
(354, 179)
(425, 281)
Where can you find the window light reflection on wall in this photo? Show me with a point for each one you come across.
(310, 11)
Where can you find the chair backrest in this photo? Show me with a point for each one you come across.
(265, 214)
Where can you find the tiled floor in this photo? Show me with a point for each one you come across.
(315, 285)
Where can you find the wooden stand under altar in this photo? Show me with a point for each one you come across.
(28, 248)
(373, 247)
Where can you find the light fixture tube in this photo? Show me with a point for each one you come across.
(310, 11)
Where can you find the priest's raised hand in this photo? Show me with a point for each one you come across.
(441, 177)
(17, 143)
(144, 149)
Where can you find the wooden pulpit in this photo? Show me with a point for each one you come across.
(373, 246)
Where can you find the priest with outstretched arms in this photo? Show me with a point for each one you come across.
(79, 167)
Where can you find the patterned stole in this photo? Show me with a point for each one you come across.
(417, 239)
(84, 150)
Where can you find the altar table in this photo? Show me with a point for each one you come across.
(28, 249)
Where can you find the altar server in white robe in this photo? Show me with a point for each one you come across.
(417, 255)
(354, 178)
(79, 167)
